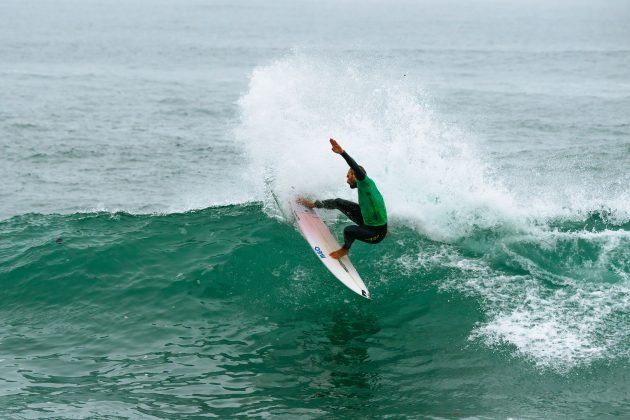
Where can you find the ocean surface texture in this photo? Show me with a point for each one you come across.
(149, 267)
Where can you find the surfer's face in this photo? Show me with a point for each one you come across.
(351, 179)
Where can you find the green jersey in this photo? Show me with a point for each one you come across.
(371, 203)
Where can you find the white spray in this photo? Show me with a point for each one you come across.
(427, 171)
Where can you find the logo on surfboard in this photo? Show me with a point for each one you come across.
(319, 252)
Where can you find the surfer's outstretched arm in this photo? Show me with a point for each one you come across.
(327, 204)
(350, 209)
(359, 172)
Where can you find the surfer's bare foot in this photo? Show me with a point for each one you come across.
(341, 252)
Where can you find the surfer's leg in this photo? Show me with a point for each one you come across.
(369, 234)
(350, 209)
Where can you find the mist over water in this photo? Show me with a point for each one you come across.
(148, 152)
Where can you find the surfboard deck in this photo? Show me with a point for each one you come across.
(322, 242)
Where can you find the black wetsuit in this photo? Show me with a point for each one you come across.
(362, 231)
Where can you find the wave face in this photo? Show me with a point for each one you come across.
(227, 311)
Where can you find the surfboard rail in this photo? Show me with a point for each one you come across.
(322, 242)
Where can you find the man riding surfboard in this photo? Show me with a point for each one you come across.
(369, 215)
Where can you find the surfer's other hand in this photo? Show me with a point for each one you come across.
(335, 146)
(306, 202)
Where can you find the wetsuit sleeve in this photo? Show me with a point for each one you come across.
(358, 172)
(326, 204)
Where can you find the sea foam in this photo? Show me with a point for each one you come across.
(428, 170)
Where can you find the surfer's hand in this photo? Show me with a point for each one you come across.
(335, 147)
(306, 202)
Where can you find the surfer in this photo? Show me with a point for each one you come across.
(369, 215)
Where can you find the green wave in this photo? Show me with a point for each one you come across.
(240, 251)
(227, 311)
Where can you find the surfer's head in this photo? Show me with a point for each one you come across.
(351, 179)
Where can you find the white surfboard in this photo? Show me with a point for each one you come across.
(323, 243)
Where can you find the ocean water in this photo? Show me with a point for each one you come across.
(148, 152)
